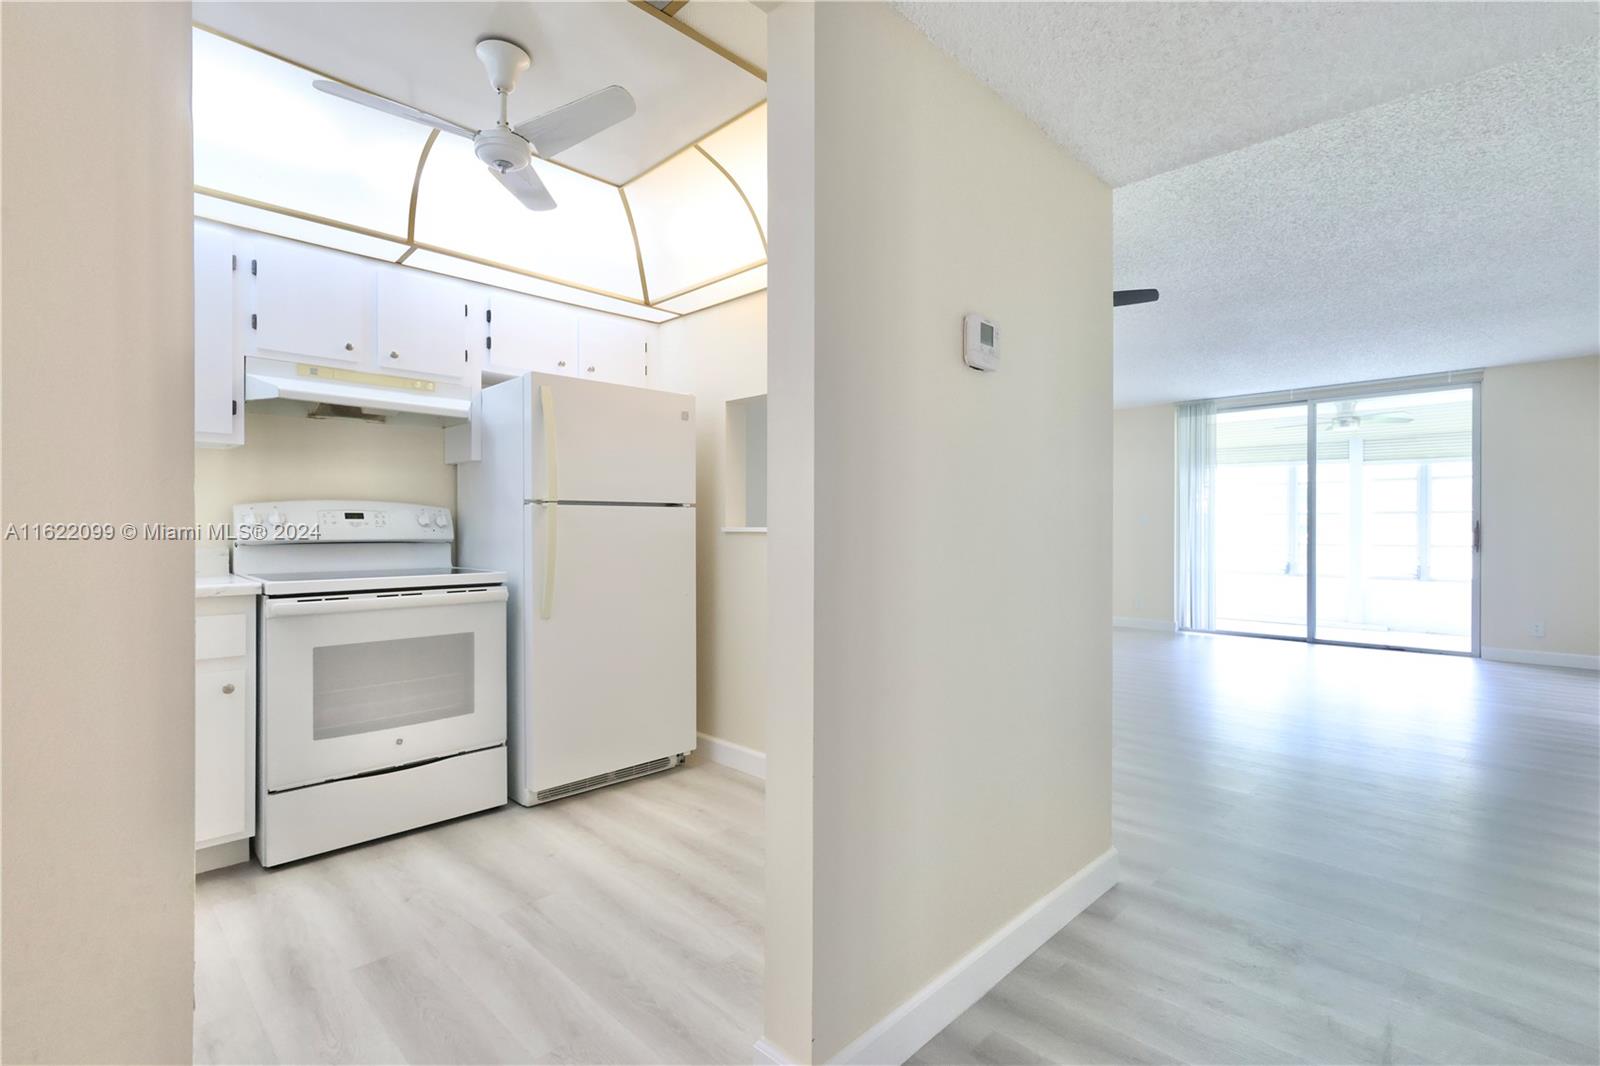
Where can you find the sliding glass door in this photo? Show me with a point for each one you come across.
(1259, 529)
(1396, 517)
(1350, 517)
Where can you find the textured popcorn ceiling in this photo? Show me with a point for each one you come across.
(1137, 89)
(1452, 229)
(1323, 193)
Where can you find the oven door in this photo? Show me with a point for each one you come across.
(364, 682)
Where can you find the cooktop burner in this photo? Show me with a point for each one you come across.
(301, 583)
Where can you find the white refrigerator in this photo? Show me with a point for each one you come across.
(584, 496)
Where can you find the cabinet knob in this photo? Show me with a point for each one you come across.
(561, 362)
(349, 347)
(227, 690)
(591, 370)
(394, 355)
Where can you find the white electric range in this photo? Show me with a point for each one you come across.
(382, 694)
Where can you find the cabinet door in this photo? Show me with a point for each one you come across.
(613, 349)
(423, 324)
(224, 755)
(525, 333)
(311, 304)
(218, 362)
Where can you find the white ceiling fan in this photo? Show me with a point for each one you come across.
(506, 149)
(1345, 417)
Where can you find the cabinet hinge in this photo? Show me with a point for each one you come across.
(235, 262)
(252, 321)
(464, 310)
(488, 314)
(252, 268)
(235, 406)
(465, 358)
(488, 342)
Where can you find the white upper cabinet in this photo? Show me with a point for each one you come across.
(218, 360)
(310, 304)
(522, 333)
(425, 324)
(613, 349)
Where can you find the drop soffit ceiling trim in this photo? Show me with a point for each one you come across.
(393, 194)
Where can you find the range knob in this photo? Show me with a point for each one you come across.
(423, 518)
(441, 519)
(275, 519)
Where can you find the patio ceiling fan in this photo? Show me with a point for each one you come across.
(508, 150)
(1345, 417)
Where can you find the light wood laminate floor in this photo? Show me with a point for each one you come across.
(619, 926)
(1329, 855)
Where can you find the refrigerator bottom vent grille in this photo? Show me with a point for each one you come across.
(603, 779)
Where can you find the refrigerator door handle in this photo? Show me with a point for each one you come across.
(547, 594)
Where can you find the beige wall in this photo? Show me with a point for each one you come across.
(1541, 509)
(1541, 506)
(1143, 495)
(719, 355)
(290, 457)
(962, 539)
(98, 636)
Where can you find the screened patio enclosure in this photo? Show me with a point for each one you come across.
(1345, 517)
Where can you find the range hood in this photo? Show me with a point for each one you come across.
(307, 386)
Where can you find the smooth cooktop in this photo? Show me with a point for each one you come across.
(302, 583)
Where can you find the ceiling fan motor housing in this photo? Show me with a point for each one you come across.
(503, 61)
(502, 149)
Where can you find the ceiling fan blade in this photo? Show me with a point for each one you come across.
(555, 131)
(389, 107)
(1124, 297)
(1391, 417)
(525, 185)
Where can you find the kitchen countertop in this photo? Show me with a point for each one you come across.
(225, 585)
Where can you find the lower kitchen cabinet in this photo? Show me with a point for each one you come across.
(224, 727)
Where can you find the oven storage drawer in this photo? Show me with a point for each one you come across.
(358, 683)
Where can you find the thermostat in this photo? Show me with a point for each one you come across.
(980, 343)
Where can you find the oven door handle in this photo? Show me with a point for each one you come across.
(380, 601)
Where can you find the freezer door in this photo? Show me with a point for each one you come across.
(610, 623)
(599, 442)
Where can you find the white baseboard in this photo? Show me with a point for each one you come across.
(1144, 623)
(217, 856)
(1542, 658)
(899, 1034)
(733, 756)
(767, 1055)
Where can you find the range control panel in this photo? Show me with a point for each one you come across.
(339, 521)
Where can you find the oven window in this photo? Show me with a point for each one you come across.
(384, 684)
